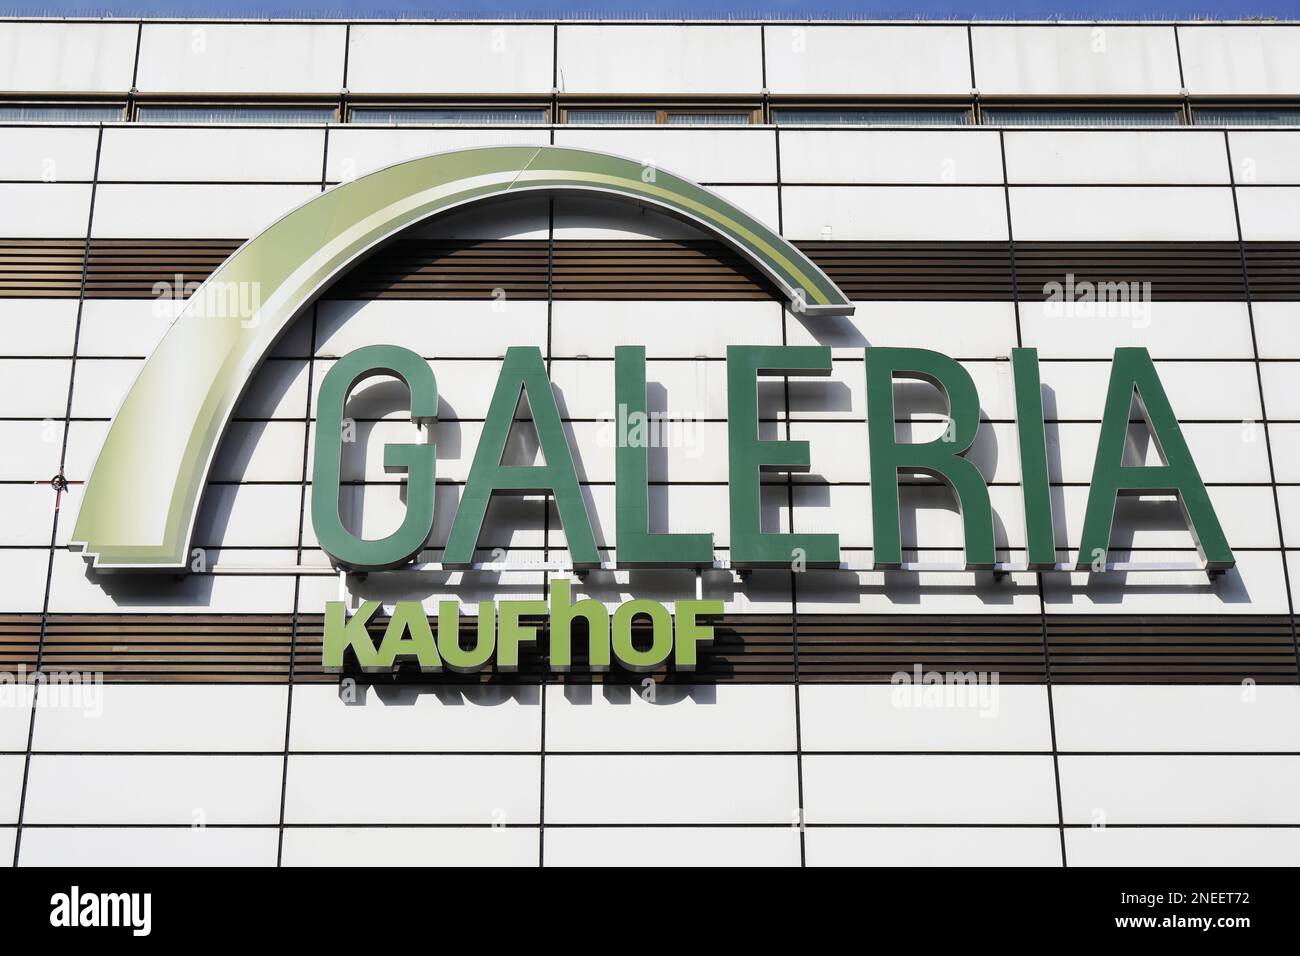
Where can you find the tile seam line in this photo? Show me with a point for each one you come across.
(1038, 576)
(1263, 403)
(54, 529)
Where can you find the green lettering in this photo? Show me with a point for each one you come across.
(636, 545)
(349, 550)
(1133, 373)
(523, 370)
(749, 457)
(943, 458)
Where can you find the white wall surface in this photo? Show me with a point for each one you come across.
(566, 774)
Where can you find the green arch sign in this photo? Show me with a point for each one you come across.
(141, 501)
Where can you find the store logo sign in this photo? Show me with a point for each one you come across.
(1133, 375)
(142, 498)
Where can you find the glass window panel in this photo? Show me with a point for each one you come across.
(287, 115)
(871, 117)
(994, 116)
(1247, 117)
(701, 119)
(448, 117)
(60, 113)
(614, 117)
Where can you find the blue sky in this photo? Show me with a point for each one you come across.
(673, 9)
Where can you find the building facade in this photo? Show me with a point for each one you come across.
(649, 286)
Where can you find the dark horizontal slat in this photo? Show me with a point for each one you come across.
(851, 648)
(669, 270)
(1208, 649)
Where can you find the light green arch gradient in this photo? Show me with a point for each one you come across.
(141, 501)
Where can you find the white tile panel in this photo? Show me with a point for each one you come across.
(248, 516)
(838, 450)
(241, 58)
(442, 329)
(162, 154)
(101, 384)
(701, 155)
(881, 60)
(676, 389)
(477, 789)
(187, 790)
(1180, 789)
(1098, 60)
(149, 846)
(204, 718)
(450, 58)
(948, 157)
(960, 329)
(1177, 719)
(1245, 512)
(34, 388)
(48, 326)
(466, 587)
(924, 213)
(25, 570)
(725, 717)
(259, 451)
(11, 782)
(1255, 586)
(654, 59)
(598, 217)
(525, 216)
(197, 211)
(29, 510)
(357, 150)
(1265, 157)
(33, 449)
(933, 846)
(67, 57)
(47, 154)
(411, 846)
(673, 508)
(16, 711)
(1117, 213)
(1110, 156)
(278, 390)
(1077, 390)
(1288, 506)
(1286, 455)
(672, 846)
(77, 590)
(467, 718)
(593, 328)
(1223, 452)
(124, 327)
(1269, 213)
(662, 789)
(1240, 60)
(883, 717)
(45, 210)
(1182, 846)
(919, 789)
(1171, 330)
(1277, 324)
(927, 592)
